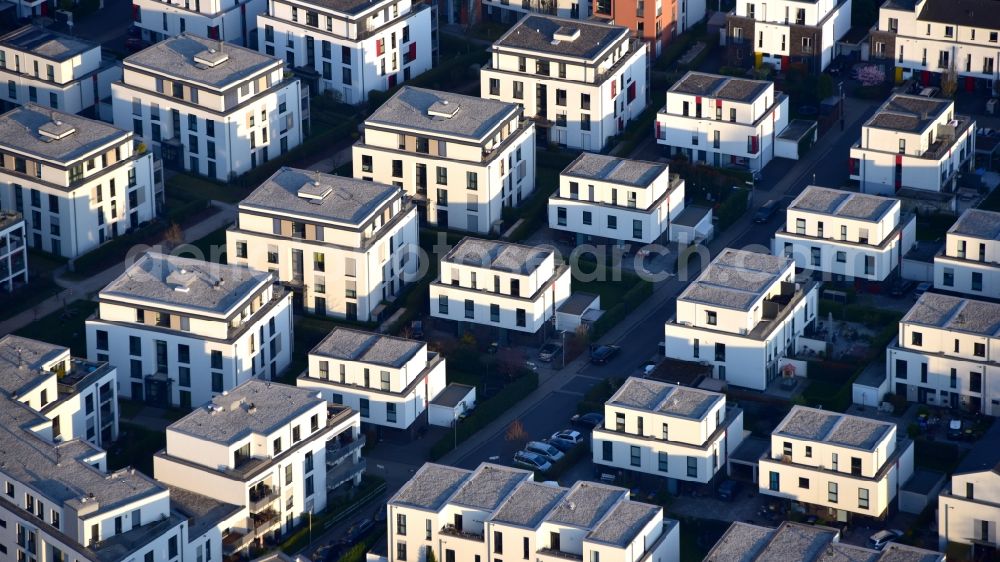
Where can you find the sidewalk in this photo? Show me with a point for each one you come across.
(74, 290)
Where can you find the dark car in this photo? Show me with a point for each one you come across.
(601, 354)
(765, 212)
(329, 552)
(357, 532)
(135, 44)
(728, 490)
(548, 352)
(901, 287)
(588, 421)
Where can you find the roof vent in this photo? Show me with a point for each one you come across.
(314, 191)
(56, 130)
(211, 58)
(566, 33)
(443, 109)
(180, 280)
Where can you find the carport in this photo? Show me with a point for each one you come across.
(743, 461)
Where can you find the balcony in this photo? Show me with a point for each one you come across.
(554, 553)
(343, 472)
(234, 541)
(261, 497)
(453, 531)
(337, 450)
(263, 521)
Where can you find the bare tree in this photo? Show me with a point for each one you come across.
(174, 236)
(949, 82)
(516, 434)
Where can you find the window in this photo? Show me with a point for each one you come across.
(977, 281)
(841, 257)
(443, 304)
(863, 498)
(520, 317)
(637, 229)
(364, 407)
(635, 456)
(948, 277)
(774, 481)
(497, 542)
(217, 382)
(612, 222)
(588, 218)
(711, 317)
(916, 338)
(831, 492)
(993, 37)
(401, 551)
(815, 256)
(494, 313)
(401, 524)
(561, 216)
(607, 451)
(720, 352)
(471, 180)
(979, 349)
(692, 467)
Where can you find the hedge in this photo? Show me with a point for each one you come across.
(632, 300)
(314, 145)
(859, 313)
(638, 130)
(486, 412)
(113, 252)
(732, 208)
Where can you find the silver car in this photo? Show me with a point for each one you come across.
(551, 453)
(532, 461)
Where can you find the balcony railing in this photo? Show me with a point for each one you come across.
(453, 531)
(560, 554)
(263, 521)
(336, 450)
(261, 497)
(347, 470)
(234, 541)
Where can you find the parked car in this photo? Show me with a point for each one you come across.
(955, 430)
(601, 354)
(548, 352)
(765, 212)
(879, 540)
(587, 421)
(648, 368)
(921, 289)
(547, 450)
(329, 552)
(901, 287)
(728, 490)
(532, 461)
(357, 531)
(566, 439)
(417, 330)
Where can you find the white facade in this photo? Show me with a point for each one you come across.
(181, 331)
(390, 381)
(838, 463)
(969, 262)
(54, 70)
(680, 433)
(233, 21)
(944, 354)
(354, 47)
(13, 251)
(462, 158)
(513, 10)
(210, 108)
(968, 510)
(844, 234)
(927, 37)
(742, 316)
(77, 182)
(581, 82)
(273, 450)
(617, 199)
(789, 31)
(509, 286)
(722, 121)
(348, 245)
(495, 510)
(913, 142)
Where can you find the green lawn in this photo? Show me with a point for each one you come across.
(610, 291)
(184, 187)
(67, 330)
(211, 247)
(135, 447)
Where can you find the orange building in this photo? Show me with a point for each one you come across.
(654, 21)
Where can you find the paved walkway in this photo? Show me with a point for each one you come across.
(76, 289)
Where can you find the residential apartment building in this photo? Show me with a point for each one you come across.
(722, 121)
(352, 47)
(837, 465)
(499, 284)
(270, 449)
(181, 331)
(208, 107)
(656, 22)
(845, 235)
(925, 38)
(581, 82)
(462, 158)
(968, 510)
(801, 542)
(390, 381)
(494, 510)
(913, 142)
(60, 502)
(663, 430)
(608, 198)
(232, 21)
(969, 261)
(13, 251)
(80, 397)
(506, 11)
(77, 182)
(343, 246)
(945, 354)
(789, 33)
(743, 316)
(54, 70)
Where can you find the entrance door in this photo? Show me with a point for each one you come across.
(442, 218)
(136, 392)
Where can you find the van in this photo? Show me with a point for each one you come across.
(765, 212)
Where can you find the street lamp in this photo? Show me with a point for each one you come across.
(948, 508)
(840, 87)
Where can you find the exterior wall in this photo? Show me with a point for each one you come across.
(938, 388)
(782, 32)
(539, 306)
(504, 179)
(133, 102)
(83, 90)
(961, 519)
(886, 254)
(623, 84)
(87, 214)
(382, 265)
(350, 64)
(970, 265)
(229, 20)
(13, 252)
(240, 359)
(761, 119)
(505, 10)
(91, 414)
(661, 21)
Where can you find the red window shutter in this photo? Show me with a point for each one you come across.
(413, 50)
(136, 13)
(213, 32)
(631, 92)
(754, 144)
(656, 125)
(697, 100)
(614, 88)
(718, 103)
(392, 81)
(379, 47)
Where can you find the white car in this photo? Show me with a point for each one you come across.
(548, 451)
(879, 540)
(566, 439)
(532, 461)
